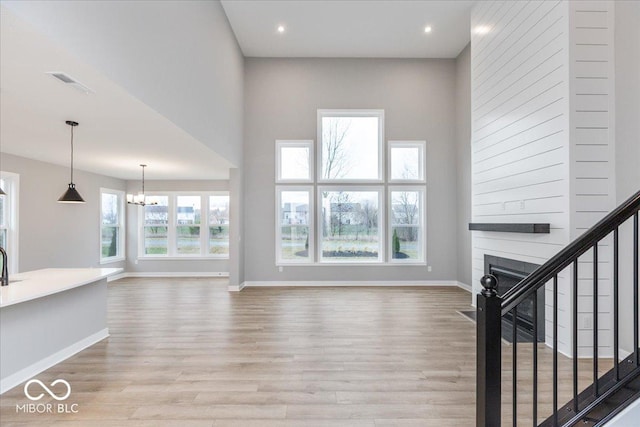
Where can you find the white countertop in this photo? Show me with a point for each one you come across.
(35, 284)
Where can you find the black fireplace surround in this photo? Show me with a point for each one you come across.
(509, 272)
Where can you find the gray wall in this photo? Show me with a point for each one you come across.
(134, 265)
(627, 128)
(463, 163)
(54, 234)
(281, 100)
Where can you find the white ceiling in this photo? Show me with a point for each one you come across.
(117, 132)
(350, 28)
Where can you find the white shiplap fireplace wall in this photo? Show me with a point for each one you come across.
(541, 145)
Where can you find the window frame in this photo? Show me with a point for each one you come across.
(121, 254)
(297, 143)
(172, 225)
(312, 229)
(11, 186)
(421, 189)
(379, 113)
(422, 146)
(380, 189)
(208, 225)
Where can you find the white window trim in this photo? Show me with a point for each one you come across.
(422, 146)
(121, 224)
(172, 224)
(12, 191)
(381, 222)
(306, 143)
(351, 113)
(422, 223)
(312, 242)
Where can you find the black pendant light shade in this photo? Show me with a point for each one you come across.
(2, 193)
(71, 195)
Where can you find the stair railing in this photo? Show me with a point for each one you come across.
(492, 308)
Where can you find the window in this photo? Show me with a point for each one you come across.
(9, 218)
(294, 160)
(350, 145)
(406, 161)
(406, 224)
(186, 225)
(156, 226)
(365, 213)
(188, 214)
(350, 221)
(112, 233)
(294, 231)
(219, 225)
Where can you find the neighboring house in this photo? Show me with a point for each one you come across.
(185, 215)
(295, 214)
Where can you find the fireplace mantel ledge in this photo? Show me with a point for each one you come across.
(503, 227)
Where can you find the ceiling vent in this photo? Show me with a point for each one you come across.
(67, 79)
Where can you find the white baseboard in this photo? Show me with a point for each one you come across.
(236, 288)
(345, 283)
(466, 287)
(169, 274)
(23, 375)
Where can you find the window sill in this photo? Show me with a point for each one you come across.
(111, 260)
(354, 264)
(181, 258)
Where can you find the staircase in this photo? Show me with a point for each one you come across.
(592, 404)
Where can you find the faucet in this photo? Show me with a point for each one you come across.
(5, 272)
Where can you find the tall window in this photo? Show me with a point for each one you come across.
(219, 225)
(360, 216)
(9, 217)
(350, 145)
(185, 225)
(406, 224)
(155, 226)
(294, 231)
(351, 224)
(112, 233)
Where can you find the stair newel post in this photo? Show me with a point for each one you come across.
(489, 354)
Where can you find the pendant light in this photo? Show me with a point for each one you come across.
(139, 199)
(71, 195)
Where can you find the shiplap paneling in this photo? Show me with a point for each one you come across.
(592, 155)
(542, 146)
(520, 136)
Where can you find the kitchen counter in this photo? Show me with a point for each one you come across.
(47, 316)
(40, 283)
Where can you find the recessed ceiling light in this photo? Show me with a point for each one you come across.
(427, 29)
(481, 29)
(281, 29)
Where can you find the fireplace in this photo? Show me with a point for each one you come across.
(509, 272)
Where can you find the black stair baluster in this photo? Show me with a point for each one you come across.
(616, 365)
(535, 358)
(514, 335)
(595, 320)
(555, 349)
(635, 289)
(575, 335)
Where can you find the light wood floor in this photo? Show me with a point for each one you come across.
(186, 352)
